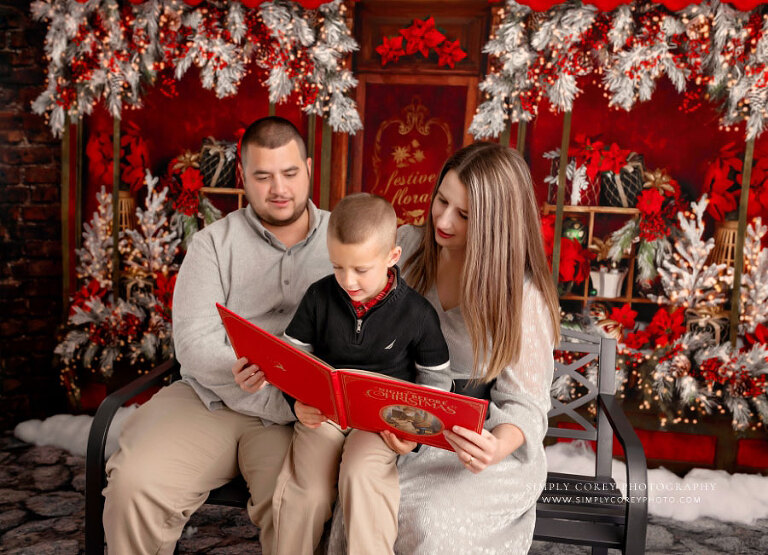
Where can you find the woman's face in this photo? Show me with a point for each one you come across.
(449, 212)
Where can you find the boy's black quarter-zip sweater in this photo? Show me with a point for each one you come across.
(398, 332)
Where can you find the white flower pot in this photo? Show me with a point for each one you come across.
(608, 282)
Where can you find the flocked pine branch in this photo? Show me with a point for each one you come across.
(153, 244)
(95, 256)
(754, 280)
(687, 279)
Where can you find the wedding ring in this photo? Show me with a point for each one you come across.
(469, 460)
(252, 374)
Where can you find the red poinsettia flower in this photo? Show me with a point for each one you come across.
(548, 233)
(574, 260)
(164, 287)
(614, 159)
(624, 316)
(191, 180)
(390, 49)
(449, 53)
(99, 153)
(86, 293)
(666, 327)
(421, 36)
(649, 201)
(637, 340)
(760, 335)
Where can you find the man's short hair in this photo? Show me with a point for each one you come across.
(272, 132)
(361, 216)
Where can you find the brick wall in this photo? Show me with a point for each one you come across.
(30, 226)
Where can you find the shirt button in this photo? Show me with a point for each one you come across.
(286, 282)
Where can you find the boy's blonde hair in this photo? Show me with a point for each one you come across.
(360, 216)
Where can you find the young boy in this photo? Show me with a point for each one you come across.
(364, 316)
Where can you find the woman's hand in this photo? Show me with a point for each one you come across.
(309, 416)
(249, 377)
(399, 446)
(479, 451)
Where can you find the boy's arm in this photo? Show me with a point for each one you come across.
(431, 354)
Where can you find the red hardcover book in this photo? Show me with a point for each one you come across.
(355, 398)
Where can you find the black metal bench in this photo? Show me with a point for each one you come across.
(600, 518)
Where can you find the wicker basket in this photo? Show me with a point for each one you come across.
(725, 243)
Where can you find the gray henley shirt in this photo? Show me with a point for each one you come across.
(238, 263)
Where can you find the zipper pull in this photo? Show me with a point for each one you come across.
(359, 325)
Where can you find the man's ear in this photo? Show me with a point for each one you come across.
(240, 171)
(394, 256)
(309, 167)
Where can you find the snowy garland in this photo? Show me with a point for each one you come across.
(103, 50)
(709, 49)
(740, 66)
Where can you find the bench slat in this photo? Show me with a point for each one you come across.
(614, 514)
(581, 533)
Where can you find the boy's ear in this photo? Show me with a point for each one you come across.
(394, 256)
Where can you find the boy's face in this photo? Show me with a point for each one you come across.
(276, 182)
(361, 269)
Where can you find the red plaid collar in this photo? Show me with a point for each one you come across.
(361, 307)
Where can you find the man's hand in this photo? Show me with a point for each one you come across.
(399, 446)
(309, 416)
(248, 376)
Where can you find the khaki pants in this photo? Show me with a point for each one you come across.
(172, 452)
(306, 490)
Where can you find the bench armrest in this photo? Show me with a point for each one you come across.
(97, 441)
(637, 473)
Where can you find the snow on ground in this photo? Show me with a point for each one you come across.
(701, 493)
(70, 432)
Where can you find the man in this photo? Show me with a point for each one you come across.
(197, 434)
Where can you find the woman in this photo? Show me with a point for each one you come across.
(480, 262)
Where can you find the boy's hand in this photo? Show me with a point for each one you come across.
(399, 446)
(248, 376)
(309, 416)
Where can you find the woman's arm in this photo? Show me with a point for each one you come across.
(519, 399)
(479, 451)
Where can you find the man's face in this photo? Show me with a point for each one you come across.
(276, 182)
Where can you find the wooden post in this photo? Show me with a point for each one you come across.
(566, 138)
(79, 185)
(65, 246)
(738, 255)
(506, 134)
(325, 166)
(115, 206)
(311, 141)
(271, 109)
(520, 144)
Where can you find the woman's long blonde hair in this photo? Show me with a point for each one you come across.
(501, 199)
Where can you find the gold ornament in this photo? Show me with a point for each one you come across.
(658, 179)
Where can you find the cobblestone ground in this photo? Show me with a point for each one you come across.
(42, 508)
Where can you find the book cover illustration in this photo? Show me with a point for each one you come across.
(355, 398)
